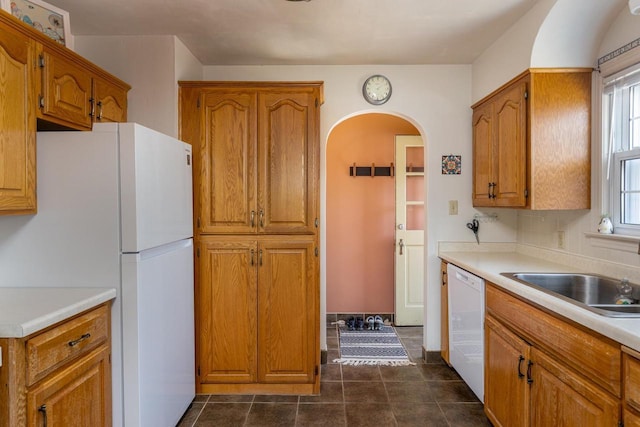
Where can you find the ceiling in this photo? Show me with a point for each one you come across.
(328, 32)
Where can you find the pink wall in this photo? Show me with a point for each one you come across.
(361, 215)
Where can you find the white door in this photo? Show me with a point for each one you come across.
(409, 250)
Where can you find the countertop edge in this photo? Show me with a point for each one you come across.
(45, 319)
(625, 331)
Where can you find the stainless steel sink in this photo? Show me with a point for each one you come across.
(593, 292)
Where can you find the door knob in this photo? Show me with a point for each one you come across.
(400, 226)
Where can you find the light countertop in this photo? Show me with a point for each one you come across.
(24, 311)
(489, 265)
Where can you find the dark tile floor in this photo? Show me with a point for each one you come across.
(427, 394)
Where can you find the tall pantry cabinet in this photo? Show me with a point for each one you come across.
(256, 197)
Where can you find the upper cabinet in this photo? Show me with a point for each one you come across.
(44, 86)
(17, 122)
(531, 142)
(257, 156)
(75, 95)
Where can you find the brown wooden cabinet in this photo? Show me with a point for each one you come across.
(506, 393)
(631, 381)
(530, 135)
(17, 122)
(75, 96)
(60, 376)
(256, 158)
(66, 91)
(541, 370)
(44, 86)
(444, 314)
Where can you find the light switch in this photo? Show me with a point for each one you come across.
(453, 207)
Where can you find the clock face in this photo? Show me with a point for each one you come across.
(377, 89)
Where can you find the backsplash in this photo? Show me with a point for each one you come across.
(563, 232)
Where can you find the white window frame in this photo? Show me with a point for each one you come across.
(612, 157)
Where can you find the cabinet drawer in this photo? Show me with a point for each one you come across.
(631, 369)
(589, 354)
(55, 347)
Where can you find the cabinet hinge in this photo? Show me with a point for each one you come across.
(317, 222)
(198, 103)
(316, 252)
(526, 94)
(41, 61)
(317, 370)
(198, 252)
(40, 101)
(526, 194)
(317, 102)
(198, 370)
(620, 424)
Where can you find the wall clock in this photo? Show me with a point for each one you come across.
(376, 89)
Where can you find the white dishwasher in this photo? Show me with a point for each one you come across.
(466, 327)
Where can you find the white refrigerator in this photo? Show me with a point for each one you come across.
(115, 210)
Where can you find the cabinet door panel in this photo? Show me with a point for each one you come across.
(631, 419)
(228, 163)
(506, 394)
(511, 144)
(631, 378)
(17, 123)
(110, 102)
(67, 92)
(482, 155)
(79, 395)
(287, 307)
(560, 397)
(227, 311)
(287, 155)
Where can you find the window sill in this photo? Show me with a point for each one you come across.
(618, 242)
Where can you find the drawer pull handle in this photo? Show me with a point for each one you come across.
(79, 340)
(529, 377)
(520, 360)
(43, 409)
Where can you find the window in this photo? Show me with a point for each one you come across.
(621, 145)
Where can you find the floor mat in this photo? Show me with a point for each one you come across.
(381, 347)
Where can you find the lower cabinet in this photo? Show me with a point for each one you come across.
(258, 314)
(61, 376)
(631, 379)
(538, 369)
(78, 395)
(506, 391)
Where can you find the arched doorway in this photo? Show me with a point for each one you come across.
(360, 215)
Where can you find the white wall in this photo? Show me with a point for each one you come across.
(540, 228)
(571, 32)
(151, 65)
(554, 33)
(436, 100)
(510, 54)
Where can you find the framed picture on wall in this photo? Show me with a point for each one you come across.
(47, 19)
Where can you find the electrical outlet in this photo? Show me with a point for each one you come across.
(560, 239)
(453, 207)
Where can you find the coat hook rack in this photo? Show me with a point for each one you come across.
(372, 170)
